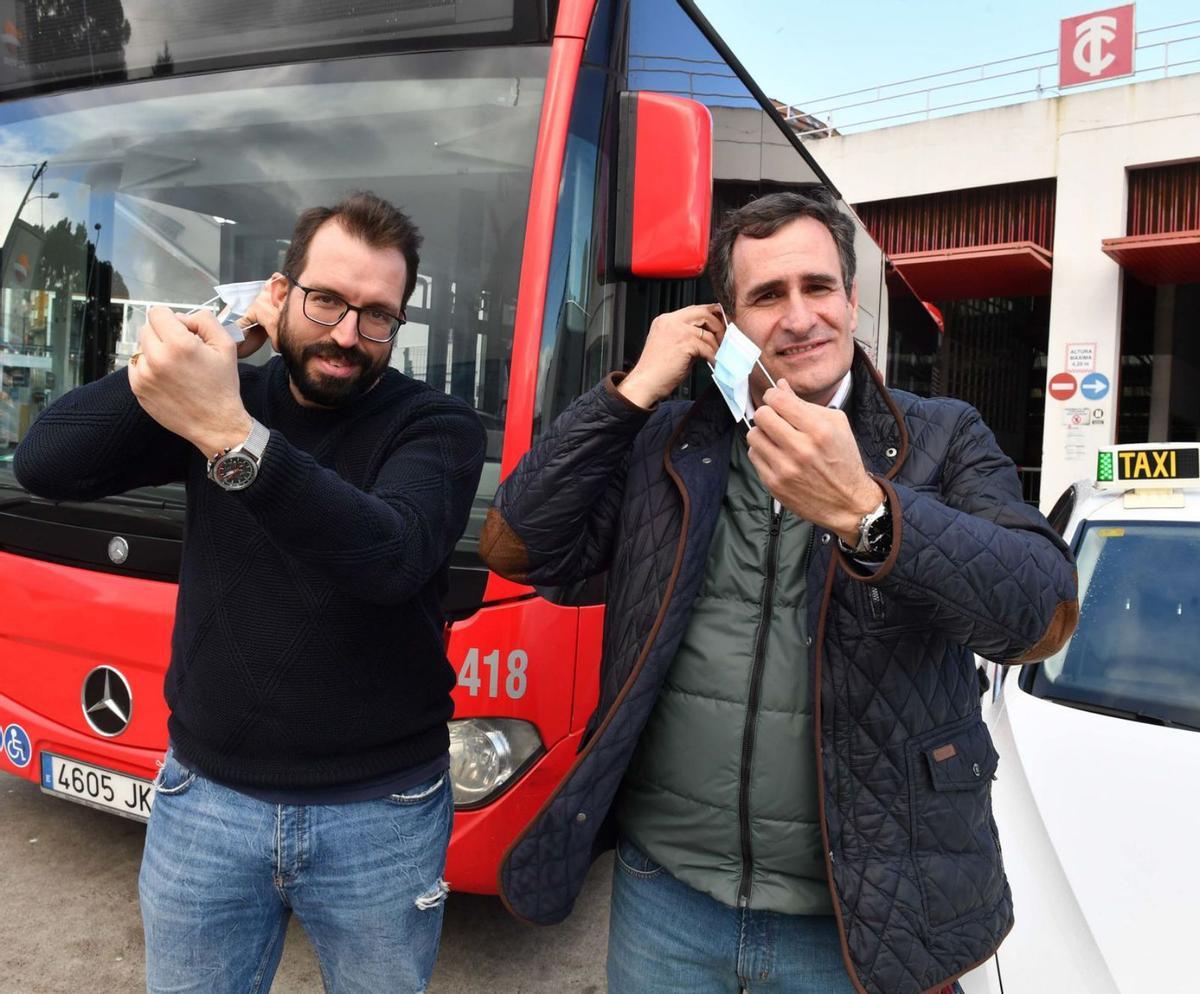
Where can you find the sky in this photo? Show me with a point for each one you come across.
(802, 51)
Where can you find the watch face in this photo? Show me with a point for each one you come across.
(879, 533)
(235, 471)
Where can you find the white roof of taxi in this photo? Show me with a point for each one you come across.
(1112, 502)
(1109, 505)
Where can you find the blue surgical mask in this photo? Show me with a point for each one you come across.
(735, 362)
(736, 358)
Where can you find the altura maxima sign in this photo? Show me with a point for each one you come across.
(1096, 46)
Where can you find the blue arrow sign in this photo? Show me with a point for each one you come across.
(1094, 386)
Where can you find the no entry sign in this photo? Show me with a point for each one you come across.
(1062, 386)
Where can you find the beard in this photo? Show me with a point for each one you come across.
(319, 388)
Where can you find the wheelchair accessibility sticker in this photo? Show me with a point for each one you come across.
(16, 746)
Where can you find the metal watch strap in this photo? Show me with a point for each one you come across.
(254, 445)
(865, 526)
(256, 442)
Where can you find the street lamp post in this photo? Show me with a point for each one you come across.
(37, 175)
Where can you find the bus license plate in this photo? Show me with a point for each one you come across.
(97, 787)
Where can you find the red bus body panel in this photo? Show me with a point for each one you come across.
(57, 623)
(559, 704)
(566, 54)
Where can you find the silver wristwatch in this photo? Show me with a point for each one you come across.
(874, 533)
(237, 468)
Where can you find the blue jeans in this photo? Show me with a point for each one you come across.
(665, 937)
(222, 873)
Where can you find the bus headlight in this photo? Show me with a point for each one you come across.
(486, 753)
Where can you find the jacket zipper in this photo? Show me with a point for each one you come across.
(756, 674)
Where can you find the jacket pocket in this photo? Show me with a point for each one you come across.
(881, 612)
(953, 837)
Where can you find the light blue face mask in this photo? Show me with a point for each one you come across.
(736, 359)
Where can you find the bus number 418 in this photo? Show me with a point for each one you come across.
(515, 677)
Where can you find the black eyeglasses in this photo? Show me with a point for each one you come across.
(323, 307)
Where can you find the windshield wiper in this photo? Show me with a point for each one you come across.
(1127, 713)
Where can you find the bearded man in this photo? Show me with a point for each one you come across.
(308, 685)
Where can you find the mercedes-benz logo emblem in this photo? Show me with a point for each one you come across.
(118, 550)
(107, 701)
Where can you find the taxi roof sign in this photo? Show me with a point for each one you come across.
(1148, 466)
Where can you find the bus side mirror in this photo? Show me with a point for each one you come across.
(664, 186)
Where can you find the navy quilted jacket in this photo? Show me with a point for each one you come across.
(912, 852)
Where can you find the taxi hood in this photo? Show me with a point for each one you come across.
(1099, 817)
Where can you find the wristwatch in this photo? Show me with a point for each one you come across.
(236, 468)
(874, 534)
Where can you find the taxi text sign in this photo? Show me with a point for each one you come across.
(1096, 46)
(1135, 465)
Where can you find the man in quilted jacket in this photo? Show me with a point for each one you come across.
(788, 754)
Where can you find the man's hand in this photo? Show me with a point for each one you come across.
(186, 379)
(807, 458)
(264, 315)
(675, 341)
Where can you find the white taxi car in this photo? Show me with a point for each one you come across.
(1098, 790)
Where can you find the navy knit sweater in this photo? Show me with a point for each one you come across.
(308, 648)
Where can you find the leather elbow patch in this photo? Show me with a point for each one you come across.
(1061, 627)
(502, 549)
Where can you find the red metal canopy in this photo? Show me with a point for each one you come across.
(1171, 257)
(1010, 269)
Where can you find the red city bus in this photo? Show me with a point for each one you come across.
(563, 162)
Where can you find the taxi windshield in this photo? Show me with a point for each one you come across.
(1134, 652)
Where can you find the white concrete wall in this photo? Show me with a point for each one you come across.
(1089, 141)
(951, 153)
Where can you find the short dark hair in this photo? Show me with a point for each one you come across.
(367, 217)
(762, 217)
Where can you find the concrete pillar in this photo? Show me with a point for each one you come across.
(1164, 350)
(1085, 307)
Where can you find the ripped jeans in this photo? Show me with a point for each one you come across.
(222, 873)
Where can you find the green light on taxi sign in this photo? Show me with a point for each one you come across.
(1104, 468)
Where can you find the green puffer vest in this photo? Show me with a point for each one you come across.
(722, 790)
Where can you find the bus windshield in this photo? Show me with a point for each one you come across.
(154, 192)
(1134, 652)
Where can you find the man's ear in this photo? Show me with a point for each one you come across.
(279, 288)
(852, 299)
